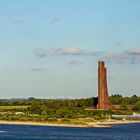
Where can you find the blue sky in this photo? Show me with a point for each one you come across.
(50, 48)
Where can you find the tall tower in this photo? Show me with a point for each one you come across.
(103, 99)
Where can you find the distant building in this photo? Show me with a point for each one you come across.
(135, 116)
(19, 113)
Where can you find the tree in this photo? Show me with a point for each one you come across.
(36, 108)
(137, 105)
(134, 99)
(116, 99)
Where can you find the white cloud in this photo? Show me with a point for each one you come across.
(40, 52)
(19, 22)
(133, 51)
(37, 69)
(75, 62)
(71, 51)
(55, 20)
(128, 56)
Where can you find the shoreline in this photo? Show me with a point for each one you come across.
(110, 123)
(89, 124)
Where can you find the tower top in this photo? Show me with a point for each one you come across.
(101, 63)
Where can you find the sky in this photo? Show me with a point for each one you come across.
(51, 48)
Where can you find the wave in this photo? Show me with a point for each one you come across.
(2, 131)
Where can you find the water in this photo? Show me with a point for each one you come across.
(27, 132)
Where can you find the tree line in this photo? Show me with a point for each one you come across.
(52, 109)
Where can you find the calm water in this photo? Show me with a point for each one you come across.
(23, 132)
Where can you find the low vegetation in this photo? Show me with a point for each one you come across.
(64, 111)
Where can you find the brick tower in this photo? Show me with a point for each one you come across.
(103, 99)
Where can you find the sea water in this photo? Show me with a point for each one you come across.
(28, 132)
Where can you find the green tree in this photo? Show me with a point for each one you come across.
(116, 99)
(137, 105)
(36, 108)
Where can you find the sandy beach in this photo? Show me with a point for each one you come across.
(110, 123)
(89, 124)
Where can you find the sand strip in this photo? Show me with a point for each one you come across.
(89, 124)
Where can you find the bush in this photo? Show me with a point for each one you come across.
(52, 119)
(65, 120)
